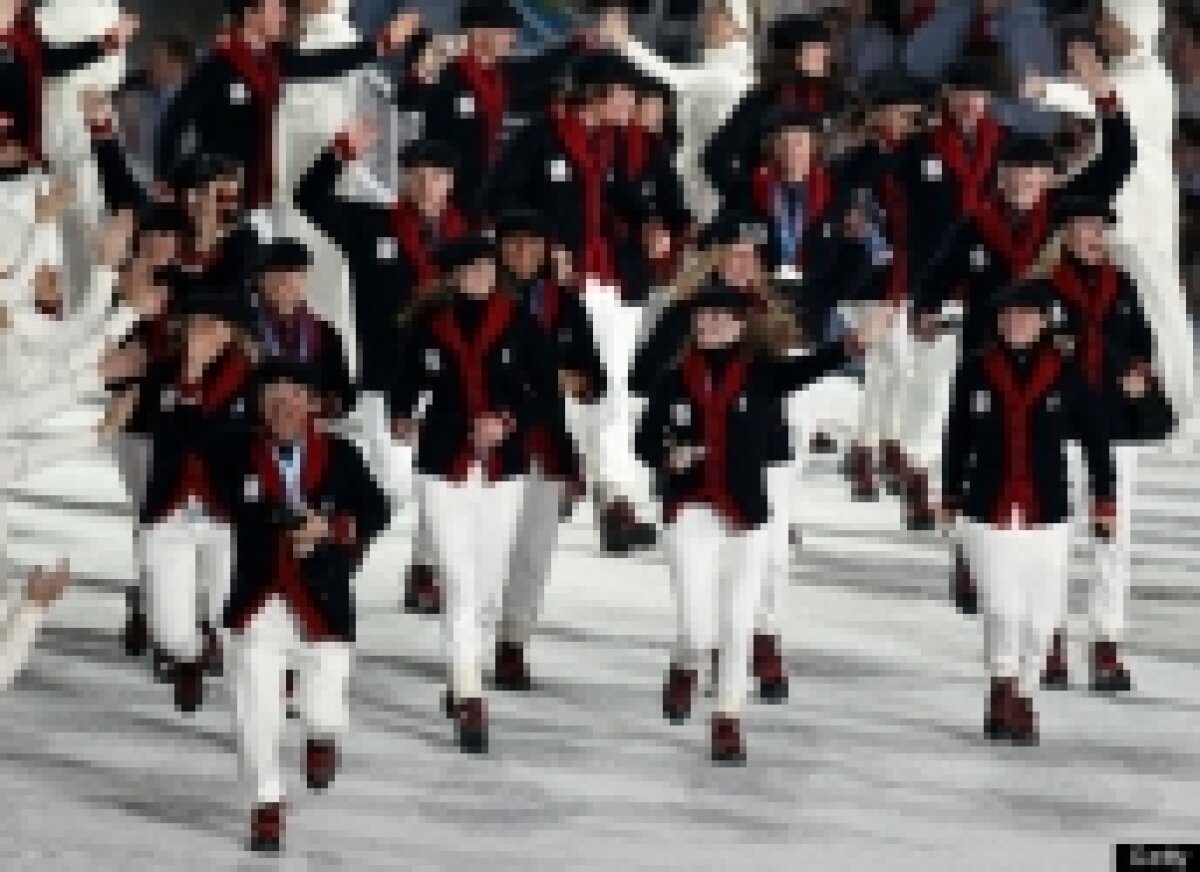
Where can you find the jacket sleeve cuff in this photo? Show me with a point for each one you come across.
(102, 130)
(344, 531)
(343, 148)
(1104, 508)
(1108, 104)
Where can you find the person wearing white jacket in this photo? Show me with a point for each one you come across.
(1147, 228)
(706, 92)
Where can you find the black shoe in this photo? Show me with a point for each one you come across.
(422, 593)
(1024, 728)
(727, 746)
(162, 666)
(1109, 674)
(320, 763)
(266, 828)
(678, 694)
(511, 672)
(449, 704)
(1000, 713)
(189, 686)
(1055, 673)
(471, 727)
(962, 586)
(213, 657)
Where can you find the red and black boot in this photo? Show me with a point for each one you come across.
(768, 668)
(1056, 674)
(511, 672)
(266, 828)
(1109, 674)
(678, 693)
(919, 512)
(860, 465)
(449, 704)
(1001, 714)
(320, 763)
(189, 685)
(422, 594)
(894, 466)
(727, 746)
(1024, 728)
(136, 635)
(621, 532)
(962, 585)
(471, 727)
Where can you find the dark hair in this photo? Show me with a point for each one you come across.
(178, 48)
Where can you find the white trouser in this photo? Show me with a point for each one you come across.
(270, 645)
(390, 462)
(1022, 575)
(532, 554)
(612, 466)
(780, 487)
(423, 552)
(927, 402)
(188, 559)
(131, 451)
(473, 523)
(1108, 595)
(717, 576)
(887, 370)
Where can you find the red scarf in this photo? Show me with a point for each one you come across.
(971, 171)
(1018, 246)
(261, 73)
(714, 402)
(406, 223)
(1093, 305)
(818, 192)
(809, 94)
(638, 142)
(23, 40)
(894, 199)
(471, 357)
(287, 580)
(491, 96)
(1018, 402)
(592, 165)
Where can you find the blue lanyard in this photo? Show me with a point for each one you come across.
(290, 466)
(274, 341)
(790, 227)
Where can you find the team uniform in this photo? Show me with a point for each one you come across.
(1011, 418)
(723, 404)
(292, 610)
(462, 360)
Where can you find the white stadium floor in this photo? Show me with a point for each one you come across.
(877, 762)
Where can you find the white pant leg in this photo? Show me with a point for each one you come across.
(934, 365)
(472, 524)
(990, 556)
(1110, 591)
(131, 451)
(173, 580)
(743, 560)
(532, 554)
(260, 657)
(1046, 559)
(323, 673)
(379, 448)
(423, 551)
(778, 543)
(693, 543)
(885, 366)
(214, 566)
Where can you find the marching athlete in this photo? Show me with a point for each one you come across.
(478, 377)
(552, 301)
(1017, 404)
(1102, 325)
(304, 514)
(707, 435)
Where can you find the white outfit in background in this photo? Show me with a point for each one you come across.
(272, 643)
(1147, 231)
(19, 622)
(717, 575)
(887, 369)
(473, 524)
(706, 94)
(1022, 577)
(25, 243)
(927, 403)
(1108, 593)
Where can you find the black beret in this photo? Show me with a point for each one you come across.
(281, 369)
(604, 68)
(461, 252)
(284, 254)
(1027, 150)
(897, 87)
(161, 218)
(718, 295)
(970, 74)
(792, 31)
(202, 169)
(634, 7)
(521, 222)
(731, 228)
(1074, 206)
(789, 119)
(429, 153)
(489, 13)
(238, 8)
(204, 299)
(1031, 294)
